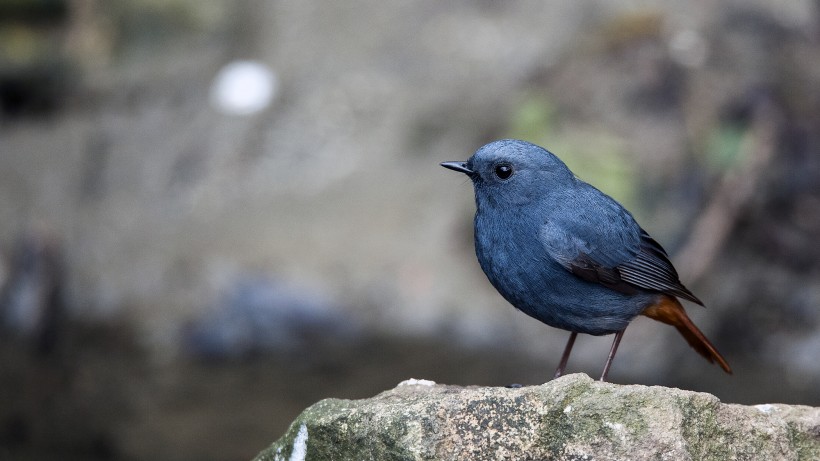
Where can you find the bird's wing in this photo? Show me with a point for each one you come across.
(615, 252)
(652, 269)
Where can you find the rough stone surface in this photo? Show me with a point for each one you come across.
(570, 418)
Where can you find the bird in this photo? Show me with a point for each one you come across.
(565, 253)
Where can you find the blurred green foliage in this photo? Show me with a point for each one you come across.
(724, 147)
(594, 155)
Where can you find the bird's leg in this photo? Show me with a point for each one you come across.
(565, 357)
(612, 351)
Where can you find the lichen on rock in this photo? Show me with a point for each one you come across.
(570, 418)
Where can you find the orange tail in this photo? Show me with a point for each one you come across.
(669, 311)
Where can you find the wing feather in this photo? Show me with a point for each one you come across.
(623, 267)
(651, 269)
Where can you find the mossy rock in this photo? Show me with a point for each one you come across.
(570, 418)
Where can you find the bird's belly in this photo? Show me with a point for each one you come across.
(543, 289)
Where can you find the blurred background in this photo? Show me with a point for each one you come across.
(216, 213)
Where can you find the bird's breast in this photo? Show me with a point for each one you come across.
(511, 256)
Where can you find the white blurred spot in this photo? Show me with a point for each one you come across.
(243, 88)
(689, 48)
(568, 409)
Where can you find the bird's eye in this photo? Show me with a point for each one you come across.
(503, 170)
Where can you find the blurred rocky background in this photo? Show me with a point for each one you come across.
(215, 213)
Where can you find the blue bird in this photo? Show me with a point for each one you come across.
(565, 253)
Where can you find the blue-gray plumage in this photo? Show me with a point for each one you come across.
(567, 254)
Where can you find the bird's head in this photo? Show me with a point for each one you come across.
(513, 172)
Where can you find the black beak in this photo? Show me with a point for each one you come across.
(461, 167)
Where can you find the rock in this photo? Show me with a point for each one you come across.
(570, 418)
